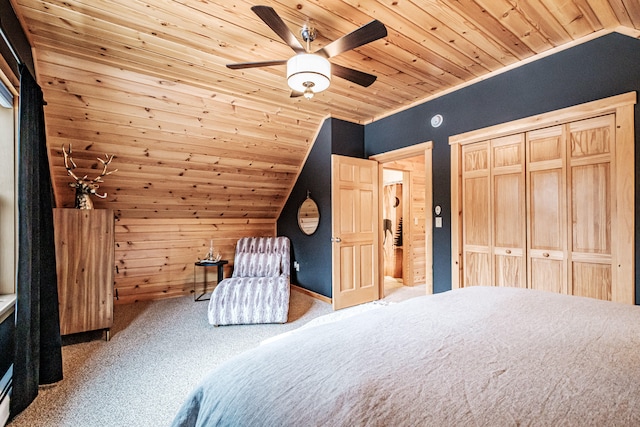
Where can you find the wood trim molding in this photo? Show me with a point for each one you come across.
(456, 216)
(8, 77)
(311, 293)
(628, 31)
(625, 202)
(7, 306)
(428, 208)
(402, 153)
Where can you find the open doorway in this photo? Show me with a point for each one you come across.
(405, 215)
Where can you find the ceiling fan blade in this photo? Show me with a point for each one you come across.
(295, 94)
(273, 20)
(355, 76)
(372, 31)
(241, 65)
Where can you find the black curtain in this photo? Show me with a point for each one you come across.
(38, 356)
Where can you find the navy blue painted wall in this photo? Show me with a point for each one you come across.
(603, 67)
(313, 252)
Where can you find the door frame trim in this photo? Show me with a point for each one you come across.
(426, 149)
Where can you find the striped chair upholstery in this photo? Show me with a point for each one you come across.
(258, 290)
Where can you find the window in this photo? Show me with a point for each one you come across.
(8, 202)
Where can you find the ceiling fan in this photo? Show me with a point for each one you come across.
(309, 73)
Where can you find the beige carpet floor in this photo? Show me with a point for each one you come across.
(157, 353)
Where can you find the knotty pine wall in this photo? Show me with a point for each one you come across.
(417, 220)
(155, 257)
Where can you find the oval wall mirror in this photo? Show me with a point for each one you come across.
(308, 216)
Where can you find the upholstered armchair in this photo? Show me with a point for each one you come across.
(258, 290)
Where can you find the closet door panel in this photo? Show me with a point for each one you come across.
(592, 136)
(476, 232)
(507, 152)
(547, 274)
(591, 207)
(476, 197)
(508, 196)
(546, 145)
(509, 271)
(546, 236)
(508, 202)
(476, 235)
(546, 210)
(590, 279)
(477, 271)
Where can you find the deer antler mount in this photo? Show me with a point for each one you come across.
(84, 186)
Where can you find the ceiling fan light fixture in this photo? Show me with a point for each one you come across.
(307, 72)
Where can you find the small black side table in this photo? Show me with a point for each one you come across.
(219, 265)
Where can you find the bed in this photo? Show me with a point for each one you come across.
(481, 356)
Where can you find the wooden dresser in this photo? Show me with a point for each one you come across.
(85, 263)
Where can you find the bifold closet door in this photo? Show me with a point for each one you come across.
(579, 202)
(494, 230)
(571, 210)
(591, 206)
(476, 235)
(508, 213)
(547, 206)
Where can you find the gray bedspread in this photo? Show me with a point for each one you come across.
(473, 357)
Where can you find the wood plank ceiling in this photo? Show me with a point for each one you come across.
(146, 80)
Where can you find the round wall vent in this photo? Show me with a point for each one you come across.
(436, 120)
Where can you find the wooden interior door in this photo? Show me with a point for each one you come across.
(508, 198)
(476, 238)
(547, 229)
(591, 207)
(355, 224)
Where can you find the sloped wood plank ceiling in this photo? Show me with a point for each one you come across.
(146, 80)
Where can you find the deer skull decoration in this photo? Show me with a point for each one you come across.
(86, 187)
